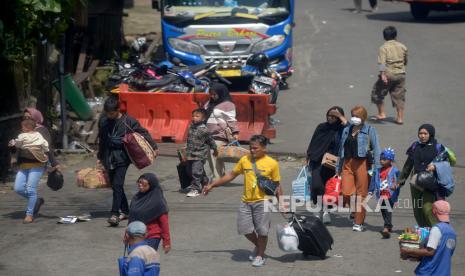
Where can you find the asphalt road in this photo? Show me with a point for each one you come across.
(334, 51)
(335, 55)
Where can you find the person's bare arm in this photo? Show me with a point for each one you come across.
(417, 253)
(225, 179)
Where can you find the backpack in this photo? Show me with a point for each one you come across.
(450, 154)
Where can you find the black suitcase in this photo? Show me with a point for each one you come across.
(184, 177)
(314, 237)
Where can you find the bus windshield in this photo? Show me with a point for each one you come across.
(225, 11)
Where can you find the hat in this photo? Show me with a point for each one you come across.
(441, 209)
(388, 154)
(136, 228)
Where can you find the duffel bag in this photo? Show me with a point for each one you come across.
(232, 152)
(139, 149)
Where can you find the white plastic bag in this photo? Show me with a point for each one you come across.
(288, 240)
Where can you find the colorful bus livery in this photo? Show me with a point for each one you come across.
(228, 32)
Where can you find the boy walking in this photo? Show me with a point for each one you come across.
(436, 258)
(199, 143)
(385, 184)
(143, 260)
(392, 59)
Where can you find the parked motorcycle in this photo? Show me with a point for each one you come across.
(265, 80)
(185, 79)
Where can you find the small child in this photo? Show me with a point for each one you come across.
(31, 140)
(199, 143)
(384, 182)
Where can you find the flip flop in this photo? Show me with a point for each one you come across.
(376, 118)
(398, 123)
(386, 235)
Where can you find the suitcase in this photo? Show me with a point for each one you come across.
(314, 237)
(184, 178)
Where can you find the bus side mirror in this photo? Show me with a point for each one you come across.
(156, 5)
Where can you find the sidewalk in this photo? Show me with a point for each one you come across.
(205, 241)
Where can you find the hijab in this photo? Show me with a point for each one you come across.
(36, 115)
(424, 153)
(150, 205)
(223, 96)
(324, 135)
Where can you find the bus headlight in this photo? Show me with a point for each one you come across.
(185, 46)
(269, 43)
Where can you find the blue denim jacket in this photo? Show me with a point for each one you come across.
(363, 146)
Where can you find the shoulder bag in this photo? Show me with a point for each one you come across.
(267, 185)
(138, 148)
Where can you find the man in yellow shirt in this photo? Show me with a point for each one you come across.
(392, 59)
(253, 220)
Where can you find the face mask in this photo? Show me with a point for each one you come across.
(355, 121)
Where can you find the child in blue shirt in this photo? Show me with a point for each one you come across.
(384, 183)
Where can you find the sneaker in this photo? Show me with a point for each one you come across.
(356, 11)
(193, 193)
(358, 228)
(258, 262)
(40, 201)
(374, 9)
(253, 254)
(113, 221)
(326, 218)
(123, 216)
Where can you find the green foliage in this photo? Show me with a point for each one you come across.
(27, 23)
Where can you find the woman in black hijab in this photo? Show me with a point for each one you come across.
(420, 157)
(325, 139)
(149, 206)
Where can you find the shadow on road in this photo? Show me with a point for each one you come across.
(406, 17)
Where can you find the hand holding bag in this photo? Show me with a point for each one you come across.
(138, 148)
(329, 161)
(267, 185)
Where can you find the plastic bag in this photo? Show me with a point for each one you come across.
(301, 185)
(332, 191)
(288, 240)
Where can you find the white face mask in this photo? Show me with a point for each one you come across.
(355, 121)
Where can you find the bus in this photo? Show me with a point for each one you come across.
(227, 32)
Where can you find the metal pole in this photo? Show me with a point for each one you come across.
(62, 95)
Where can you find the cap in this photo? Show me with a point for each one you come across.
(136, 228)
(388, 154)
(441, 209)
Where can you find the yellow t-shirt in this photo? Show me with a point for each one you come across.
(267, 166)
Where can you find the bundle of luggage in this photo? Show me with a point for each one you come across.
(92, 178)
(305, 233)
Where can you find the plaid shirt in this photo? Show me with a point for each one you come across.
(199, 142)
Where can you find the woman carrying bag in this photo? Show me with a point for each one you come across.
(221, 124)
(421, 155)
(325, 140)
(358, 151)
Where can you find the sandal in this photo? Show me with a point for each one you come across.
(28, 219)
(113, 221)
(123, 216)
